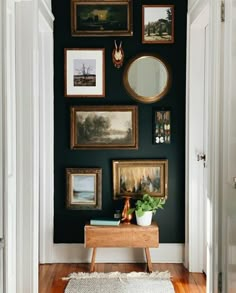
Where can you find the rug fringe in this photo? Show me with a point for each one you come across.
(155, 275)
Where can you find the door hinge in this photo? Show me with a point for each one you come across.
(222, 13)
(2, 243)
(220, 282)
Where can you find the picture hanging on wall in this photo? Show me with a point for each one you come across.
(104, 127)
(137, 177)
(84, 188)
(158, 24)
(101, 18)
(84, 71)
(162, 127)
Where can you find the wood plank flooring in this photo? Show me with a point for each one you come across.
(50, 275)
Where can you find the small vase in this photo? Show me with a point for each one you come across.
(126, 217)
(144, 220)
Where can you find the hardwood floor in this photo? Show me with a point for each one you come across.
(183, 281)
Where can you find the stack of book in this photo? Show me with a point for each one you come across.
(105, 222)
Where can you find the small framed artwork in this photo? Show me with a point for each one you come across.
(84, 71)
(158, 24)
(101, 18)
(104, 127)
(137, 177)
(162, 127)
(84, 188)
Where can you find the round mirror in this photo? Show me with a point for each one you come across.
(147, 78)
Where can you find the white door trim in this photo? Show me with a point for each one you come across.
(2, 264)
(215, 121)
(46, 137)
(27, 152)
(9, 144)
(29, 30)
(214, 142)
(197, 22)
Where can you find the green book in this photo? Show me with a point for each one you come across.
(105, 222)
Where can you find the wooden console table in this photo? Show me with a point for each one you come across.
(124, 235)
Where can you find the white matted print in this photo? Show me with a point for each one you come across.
(84, 72)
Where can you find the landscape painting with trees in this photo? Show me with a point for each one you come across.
(101, 18)
(104, 127)
(137, 177)
(84, 72)
(158, 24)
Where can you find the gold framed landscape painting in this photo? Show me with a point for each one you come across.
(84, 72)
(84, 188)
(104, 127)
(101, 18)
(136, 177)
(158, 24)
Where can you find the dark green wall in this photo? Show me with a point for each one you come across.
(68, 224)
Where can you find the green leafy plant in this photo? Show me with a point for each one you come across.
(147, 203)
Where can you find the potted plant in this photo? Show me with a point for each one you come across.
(145, 208)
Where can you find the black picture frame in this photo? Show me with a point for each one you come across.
(162, 126)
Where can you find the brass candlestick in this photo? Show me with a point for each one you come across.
(126, 218)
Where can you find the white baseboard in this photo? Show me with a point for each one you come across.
(77, 253)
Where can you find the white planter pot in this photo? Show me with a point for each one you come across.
(144, 220)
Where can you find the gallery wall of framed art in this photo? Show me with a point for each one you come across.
(110, 115)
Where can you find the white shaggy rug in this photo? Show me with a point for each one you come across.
(115, 282)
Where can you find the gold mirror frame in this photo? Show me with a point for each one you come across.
(136, 95)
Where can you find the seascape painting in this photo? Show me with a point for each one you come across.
(84, 188)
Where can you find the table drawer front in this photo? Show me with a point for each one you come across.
(115, 237)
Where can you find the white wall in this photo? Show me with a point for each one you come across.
(193, 4)
(47, 3)
(20, 138)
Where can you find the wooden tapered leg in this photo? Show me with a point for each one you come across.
(148, 257)
(92, 266)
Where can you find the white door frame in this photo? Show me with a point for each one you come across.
(227, 207)
(46, 208)
(34, 104)
(21, 31)
(198, 19)
(2, 265)
(213, 145)
(8, 145)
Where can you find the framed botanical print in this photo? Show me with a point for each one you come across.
(162, 127)
(84, 71)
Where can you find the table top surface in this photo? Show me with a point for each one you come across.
(123, 226)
